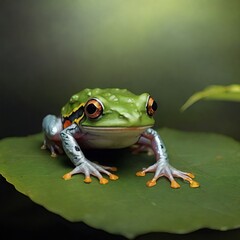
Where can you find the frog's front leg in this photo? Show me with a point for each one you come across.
(162, 167)
(52, 126)
(82, 164)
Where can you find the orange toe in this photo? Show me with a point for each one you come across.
(113, 177)
(140, 174)
(67, 176)
(174, 184)
(151, 183)
(103, 181)
(194, 184)
(87, 180)
(190, 175)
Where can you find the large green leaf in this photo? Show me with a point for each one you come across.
(215, 92)
(127, 206)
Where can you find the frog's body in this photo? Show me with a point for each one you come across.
(108, 118)
(123, 121)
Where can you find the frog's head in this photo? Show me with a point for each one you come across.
(111, 107)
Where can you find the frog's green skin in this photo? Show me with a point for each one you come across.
(108, 118)
(121, 108)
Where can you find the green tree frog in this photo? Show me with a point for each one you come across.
(108, 118)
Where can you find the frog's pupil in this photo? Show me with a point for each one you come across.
(154, 106)
(91, 108)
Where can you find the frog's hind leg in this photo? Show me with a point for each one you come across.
(52, 126)
(162, 167)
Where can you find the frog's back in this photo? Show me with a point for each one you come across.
(81, 97)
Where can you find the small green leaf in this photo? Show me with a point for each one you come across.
(127, 206)
(215, 92)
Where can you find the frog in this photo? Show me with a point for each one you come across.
(109, 118)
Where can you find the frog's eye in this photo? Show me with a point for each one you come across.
(93, 108)
(151, 106)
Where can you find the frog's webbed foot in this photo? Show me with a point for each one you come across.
(89, 168)
(165, 169)
(162, 167)
(54, 147)
(82, 164)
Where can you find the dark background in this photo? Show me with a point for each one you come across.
(171, 49)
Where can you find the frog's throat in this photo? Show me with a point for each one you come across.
(111, 137)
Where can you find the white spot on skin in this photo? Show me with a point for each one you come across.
(107, 94)
(54, 130)
(113, 98)
(74, 98)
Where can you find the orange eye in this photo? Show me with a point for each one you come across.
(151, 106)
(93, 108)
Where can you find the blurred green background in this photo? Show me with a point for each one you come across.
(171, 49)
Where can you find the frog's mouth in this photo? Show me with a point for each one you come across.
(113, 130)
(112, 137)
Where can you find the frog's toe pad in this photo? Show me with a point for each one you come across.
(194, 184)
(87, 180)
(174, 184)
(53, 155)
(151, 183)
(114, 169)
(190, 175)
(113, 177)
(67, 176)
(103, 181)
(43, 147)
(140, 174)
